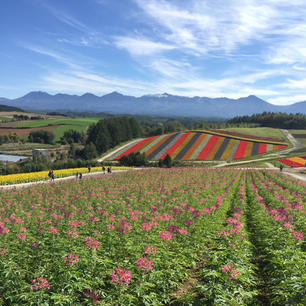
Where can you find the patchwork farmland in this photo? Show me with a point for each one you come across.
(199, 145)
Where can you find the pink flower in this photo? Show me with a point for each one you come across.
(165, 235)
(21, 236)
(144, 263)
(298, 235)
(110, 226)
(23, 229)
(40, 283)
(121, 276)
(3, 251)
(91, 243)
(226, 268)
(73, 223)
(71, 259)
(288, 225)
(146, 226)
(234, 274)
(53, 230)
(233, 245)
(150, 249)
(73, 234)
(183, 231)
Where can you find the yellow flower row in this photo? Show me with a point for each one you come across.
(43, 175)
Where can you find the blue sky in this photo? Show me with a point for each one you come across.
(213, 48)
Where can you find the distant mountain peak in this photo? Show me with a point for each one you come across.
(163, 104)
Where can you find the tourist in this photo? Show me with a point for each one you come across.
(103, 169)
(80, 176)
(281, 168)
(52, 175)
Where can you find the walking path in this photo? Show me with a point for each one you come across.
(115, 151)
(60, 179)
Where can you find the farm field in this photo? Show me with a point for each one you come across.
(258, 132)
(56, 125)
(156, 237)
(209, 145)
(295, 161)
(300, 136)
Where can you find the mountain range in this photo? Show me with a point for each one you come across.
(160, 105)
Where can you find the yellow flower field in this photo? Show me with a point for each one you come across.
(43, 175)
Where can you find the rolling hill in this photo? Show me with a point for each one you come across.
(201, 145)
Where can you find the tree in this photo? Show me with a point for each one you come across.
(41, 137)
(90, 151)
(134, 159)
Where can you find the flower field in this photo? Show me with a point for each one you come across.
(156, 237)
(197, 145)
(294, 161)
(43, 175)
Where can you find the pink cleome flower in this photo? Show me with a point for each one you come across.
(121, 276)
(21, 236)
(144, 263)
(71, 259)
(73, 234)
(150, 249)
(3, 251)
(53, 230)
(91, 243)
(40, 283)
(165, 235)
(298, 235)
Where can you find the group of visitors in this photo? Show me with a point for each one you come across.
(80, 175)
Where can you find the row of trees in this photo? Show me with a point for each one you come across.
(274, 120)
(110, 132)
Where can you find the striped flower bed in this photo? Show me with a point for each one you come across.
(196, 145)
(294, 161)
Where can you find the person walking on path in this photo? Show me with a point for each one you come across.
(80, 176)
(89, 169)
(281, 168)
(52, 175)
(103, 169)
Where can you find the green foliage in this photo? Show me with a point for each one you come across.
(42, 137)
(275, 120)
(165, 162)
(108, 133)
(72, 136)
(90, 151)
(134, 159)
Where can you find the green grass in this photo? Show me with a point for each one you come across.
(6, 119)
(297, 132)
(82, 122)
(259, 131)
(77, 124)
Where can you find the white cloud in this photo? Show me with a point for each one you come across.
(141, 46)
(285, 100)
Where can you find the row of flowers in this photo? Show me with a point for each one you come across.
(294, 161)
(197, 146)
(283, 247)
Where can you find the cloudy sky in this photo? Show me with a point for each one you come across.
(219, 48)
